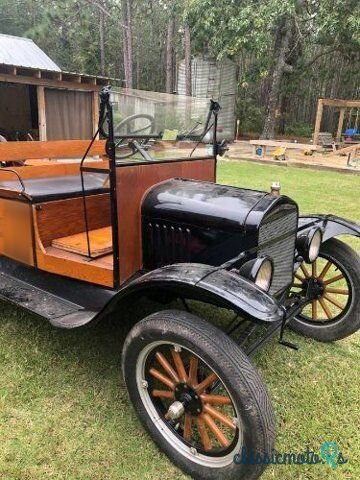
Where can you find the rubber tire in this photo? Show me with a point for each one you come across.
(232, 366)
(349, 323)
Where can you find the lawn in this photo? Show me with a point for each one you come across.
(64, 410)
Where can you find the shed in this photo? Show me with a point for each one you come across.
(216, 80)
(40, 101)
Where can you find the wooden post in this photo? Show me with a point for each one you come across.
(340, 124)
(318, 119)
(95, 110)
(41, 112)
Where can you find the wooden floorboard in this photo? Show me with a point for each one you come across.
(100, 242)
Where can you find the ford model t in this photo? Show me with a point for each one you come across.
(141, 216)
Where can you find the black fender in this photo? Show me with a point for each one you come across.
(331, 225)
(208, 284)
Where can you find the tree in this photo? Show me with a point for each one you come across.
(170, 55)
(188, 63)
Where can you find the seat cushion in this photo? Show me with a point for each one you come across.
(56, 188)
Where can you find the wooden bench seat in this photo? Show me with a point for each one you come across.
(100, 242)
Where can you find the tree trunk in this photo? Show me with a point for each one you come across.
(102, 42)
(281, 49)
(187, 47)
(170, 84)
(127, 42)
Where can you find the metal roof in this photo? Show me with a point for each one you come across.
(23, 52)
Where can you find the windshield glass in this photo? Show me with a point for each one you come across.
(165, 126)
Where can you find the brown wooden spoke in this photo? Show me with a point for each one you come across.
(304, 270)
(167, 367)
(299, 277)
(193, 370)
(333, 300)
(188, 427)
(206, 383)
(314, 309)
(314, 269)
(325, 270)
(162, 378)
(325, 308)
(220, 417)
(162, 394)
(179, 366)
(205, 439)
(224, 441)
(334, 279)
(215, 399)
(338, 291)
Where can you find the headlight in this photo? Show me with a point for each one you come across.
(309, 243)
(260, 271)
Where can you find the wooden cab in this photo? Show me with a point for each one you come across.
(62, 218)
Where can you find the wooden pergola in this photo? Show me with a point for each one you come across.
(335, 103)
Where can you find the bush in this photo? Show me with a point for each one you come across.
(299, 129)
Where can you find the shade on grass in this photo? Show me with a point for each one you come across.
(65, 413)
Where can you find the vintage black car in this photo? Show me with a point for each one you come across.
(138, 217)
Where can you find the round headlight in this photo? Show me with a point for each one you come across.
(264, 275)
(308, 244)
(259, 271)
(314, 246)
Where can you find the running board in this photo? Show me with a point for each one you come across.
(58, 311)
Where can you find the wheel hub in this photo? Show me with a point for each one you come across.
(314, 287)
(189, 398)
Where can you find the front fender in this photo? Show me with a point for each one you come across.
(331, 225)
(208, 284)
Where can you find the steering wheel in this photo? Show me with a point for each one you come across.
(128, 145)
(128, 120)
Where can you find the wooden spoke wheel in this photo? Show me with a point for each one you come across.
(180, 386)
(198, 395)
(330, 288)
(332, 283)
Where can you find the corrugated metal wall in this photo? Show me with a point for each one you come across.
(216, 80)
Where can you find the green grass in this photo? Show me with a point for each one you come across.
(65, 413)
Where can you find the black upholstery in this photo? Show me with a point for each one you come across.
(56, 188)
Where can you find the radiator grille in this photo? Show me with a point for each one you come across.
(166, 244)
(277, 235)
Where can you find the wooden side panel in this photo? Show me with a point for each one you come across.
(66, 217)
(132, 182)
(49, 170)
(15, 151)
(16, 240)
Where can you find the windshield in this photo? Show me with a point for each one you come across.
(165, 126)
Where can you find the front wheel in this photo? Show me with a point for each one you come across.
(198, 395)
(334, 278)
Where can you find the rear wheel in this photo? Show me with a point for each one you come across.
(198, 395)
(334, 279)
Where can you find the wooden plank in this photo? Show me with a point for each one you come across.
(132, 183)
(15, 151)
(351, 149)
(318, 119)
(340, 124)
(279, 143)
(63, 84)
(50, 217)
(53, 260)
(100, 242)
(16, 240)
(46, 169)
(41, 113)
(338, 102)
(95, 111)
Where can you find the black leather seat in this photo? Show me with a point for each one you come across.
(55, 188)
